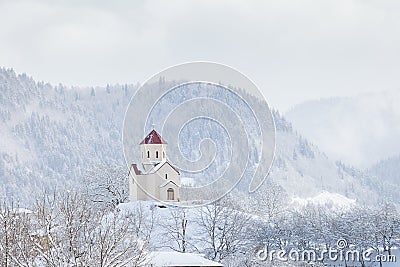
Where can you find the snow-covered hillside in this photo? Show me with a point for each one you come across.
(389, 169)
(52, 135)
(326, 199)
(389, 172)
(304, 171)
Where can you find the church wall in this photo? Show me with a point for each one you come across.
(133, 192)
(151, 184)
(171, 174)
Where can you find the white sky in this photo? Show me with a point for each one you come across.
(293, 50)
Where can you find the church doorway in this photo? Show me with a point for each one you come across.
(170, 194)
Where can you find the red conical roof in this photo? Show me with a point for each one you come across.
(153, 138)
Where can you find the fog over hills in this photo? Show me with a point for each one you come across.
(52, 135)
(360, 130)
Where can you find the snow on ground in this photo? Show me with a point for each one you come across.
(327, 199)
(163, 255)
(22, 211)
(173, 258)
(163, 215)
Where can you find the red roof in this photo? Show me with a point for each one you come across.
(153, 138)
(135, 169)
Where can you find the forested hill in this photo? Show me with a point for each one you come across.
(388, 170)
(52, 135)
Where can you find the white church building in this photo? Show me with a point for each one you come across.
(154, 177)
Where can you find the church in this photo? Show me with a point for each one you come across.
(155, 177)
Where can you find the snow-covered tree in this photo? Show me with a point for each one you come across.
(16, 241)
(222, 229)
(65, 230)
(175, 231)
(107, 184)
(270, 200)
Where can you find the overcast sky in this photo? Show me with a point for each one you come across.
(293, 50)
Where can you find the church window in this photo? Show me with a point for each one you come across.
(156, 154)
(166, 176)
(148, 154)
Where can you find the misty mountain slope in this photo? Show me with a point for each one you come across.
(359, 130)
(389, 172)
(51, 136)
(305, 172)
(388, 168)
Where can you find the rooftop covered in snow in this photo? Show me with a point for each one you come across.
(174, 259)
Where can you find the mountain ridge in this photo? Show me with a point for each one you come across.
(52, 135)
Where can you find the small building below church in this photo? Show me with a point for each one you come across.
(154, 177)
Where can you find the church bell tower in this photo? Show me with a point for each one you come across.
(153, 150)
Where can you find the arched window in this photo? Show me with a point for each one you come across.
(157, 154)
(148, 154)
(166, 176)
(163, 155)
(170, 194)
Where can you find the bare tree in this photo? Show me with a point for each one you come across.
(175, 231)
(223, 229)
(107, 184)
(75, 226)
(96, 237)
(270, 200)
(16, 244)
(385, 222)
(142, 221)
(5, 236)
(65, 230)
(113, 244)
(46, 222)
